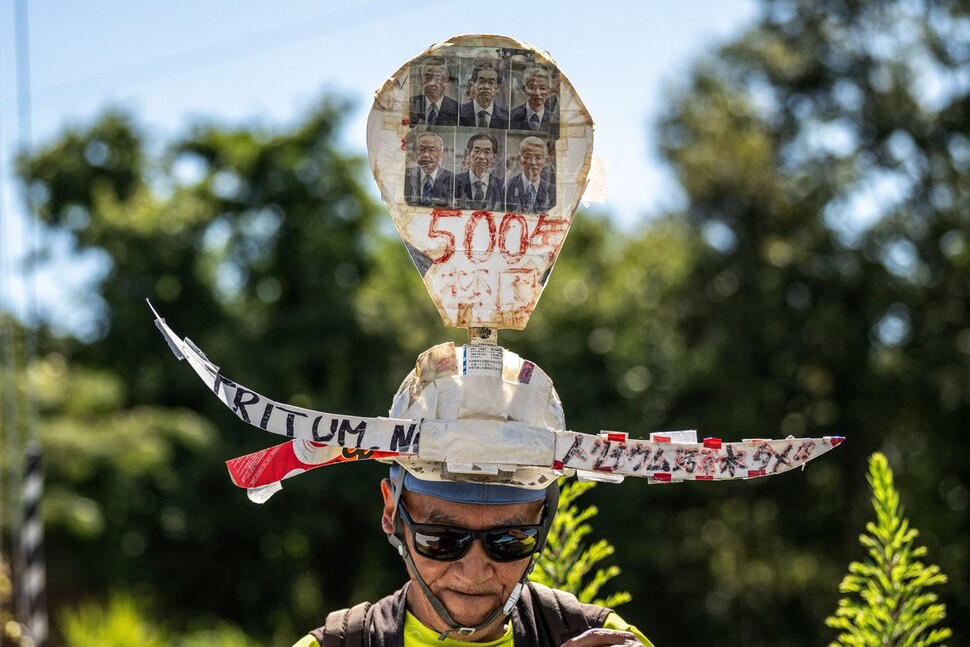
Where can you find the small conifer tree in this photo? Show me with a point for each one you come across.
(566, 562)
(887, 604)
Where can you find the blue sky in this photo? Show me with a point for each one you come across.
(248, 62)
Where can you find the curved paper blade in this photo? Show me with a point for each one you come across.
(478, 446)
(351, 432)
(663, 461)
(293, 457)
(262, 472)
(484, 252)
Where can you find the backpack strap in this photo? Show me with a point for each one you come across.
(344, 628)
(559, 616)
(372, 625)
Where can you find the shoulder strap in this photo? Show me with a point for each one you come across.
(344, 628)
(563, 616)
(371, 625)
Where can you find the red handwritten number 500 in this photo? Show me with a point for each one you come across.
(502, 235)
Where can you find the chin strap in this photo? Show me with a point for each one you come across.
(396, 539)
(436, 604)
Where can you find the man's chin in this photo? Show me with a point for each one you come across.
(470, 610)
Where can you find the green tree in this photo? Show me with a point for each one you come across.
(567, 561)
(888, 603)
(252, 243)
(822, 158)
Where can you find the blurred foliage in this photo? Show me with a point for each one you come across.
(813, 281)
(567, 561)
(895, 608)
(123, 622)
(12, 633)
(137, 494)
(117, 624)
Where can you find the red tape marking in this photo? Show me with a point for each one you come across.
(753, 473)
(712, 443)
(660, 439)
(662, 476)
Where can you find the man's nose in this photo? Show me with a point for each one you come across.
(476, 563)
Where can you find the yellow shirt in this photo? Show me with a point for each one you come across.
(417, 635)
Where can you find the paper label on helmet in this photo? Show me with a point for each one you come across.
(487, 441)
(479, 359)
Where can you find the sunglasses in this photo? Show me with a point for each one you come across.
(450, 543)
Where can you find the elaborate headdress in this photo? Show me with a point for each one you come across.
(485, 251)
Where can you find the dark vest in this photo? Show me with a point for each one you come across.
(542, 617)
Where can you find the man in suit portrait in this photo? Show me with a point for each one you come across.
(433, 106)
(482, 111)
(528, 191)
(478, 188)
(428, 184)
(535, 114)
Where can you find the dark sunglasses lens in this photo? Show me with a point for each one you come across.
(512, 544)
(444, 545)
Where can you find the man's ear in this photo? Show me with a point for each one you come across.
(387, 518)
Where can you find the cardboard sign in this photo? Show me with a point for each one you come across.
(482, 150)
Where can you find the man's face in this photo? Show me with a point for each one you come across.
(537, 90)
(429, 153)
(472, 587)
(481, 155)
(532, 158)
(434, 81)
(485, 86)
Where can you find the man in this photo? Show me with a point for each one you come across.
(478, 188)
(432, 106)
(529, 191)
(535, 114)
(427, 184)
(482, 111)
(469, 547)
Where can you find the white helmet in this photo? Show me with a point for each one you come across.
(478, 383)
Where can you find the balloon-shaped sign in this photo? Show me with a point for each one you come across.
(481, 148)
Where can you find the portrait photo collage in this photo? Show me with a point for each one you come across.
(483, 132)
